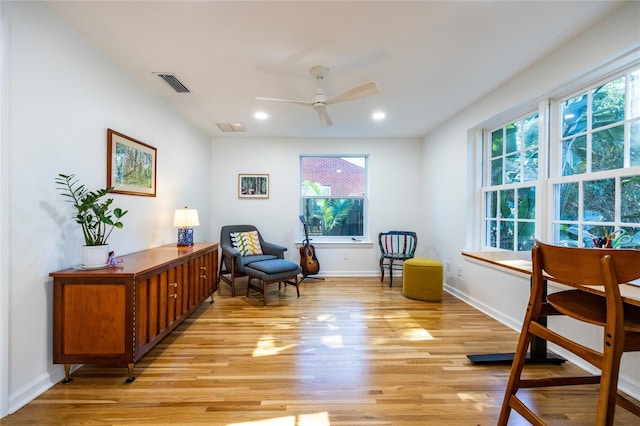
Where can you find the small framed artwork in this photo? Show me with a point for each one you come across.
(131, 165)
(253, 186)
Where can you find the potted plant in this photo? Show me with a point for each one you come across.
(94, 215)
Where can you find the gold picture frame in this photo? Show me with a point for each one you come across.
(131, 165)
(253, 186)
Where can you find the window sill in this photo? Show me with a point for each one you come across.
(338, 244)
(510, 261)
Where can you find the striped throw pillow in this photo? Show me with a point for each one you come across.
(247, 243)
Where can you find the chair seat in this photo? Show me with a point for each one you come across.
(269, 271)
(591, 308)
(397, 256)
(275, 266)
(248, 260)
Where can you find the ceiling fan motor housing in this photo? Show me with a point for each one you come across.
(320, 101)
(318, 72)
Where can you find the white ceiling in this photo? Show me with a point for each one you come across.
(429, 58)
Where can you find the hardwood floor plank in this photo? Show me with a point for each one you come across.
(349, 351)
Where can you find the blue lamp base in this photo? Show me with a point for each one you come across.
(185, 236)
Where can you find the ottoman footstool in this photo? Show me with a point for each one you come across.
(271, 271)
(422, 279)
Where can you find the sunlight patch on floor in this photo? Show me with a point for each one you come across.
(481, 404)
(333, 342)
(415, 334)
(326, 318)
(313, 419)
(266, 346)
(407, 328)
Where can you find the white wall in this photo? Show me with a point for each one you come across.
(63, 95)
(498, 293)
(395, 180)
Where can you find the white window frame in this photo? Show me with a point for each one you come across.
(329, 240)
(548, 162)
(555, 163)
(481, 135)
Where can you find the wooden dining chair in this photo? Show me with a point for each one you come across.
(577, 268)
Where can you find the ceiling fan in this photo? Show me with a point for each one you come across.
(320, 101)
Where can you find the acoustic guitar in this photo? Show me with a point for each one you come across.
(308, 260)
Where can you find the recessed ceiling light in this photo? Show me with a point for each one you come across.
(379, 115)
(260, 115)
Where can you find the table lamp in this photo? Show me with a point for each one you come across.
(185, 219)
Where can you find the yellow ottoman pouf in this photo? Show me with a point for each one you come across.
(422, 279)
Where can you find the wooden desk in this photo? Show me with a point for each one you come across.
(521, 262)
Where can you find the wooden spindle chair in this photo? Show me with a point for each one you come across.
(395, 246)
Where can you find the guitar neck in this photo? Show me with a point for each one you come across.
(306, 235)
(306, 232)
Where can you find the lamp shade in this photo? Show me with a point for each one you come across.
(185, 218)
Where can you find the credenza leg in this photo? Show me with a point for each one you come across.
(131, 377)
(67, 369)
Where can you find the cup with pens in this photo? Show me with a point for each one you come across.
(611, 240)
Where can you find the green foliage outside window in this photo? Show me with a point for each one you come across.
(510, 205)
(600, 134)
(332, 195)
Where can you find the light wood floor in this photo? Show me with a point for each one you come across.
(349, 351)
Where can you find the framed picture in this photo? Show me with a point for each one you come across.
(253, 186)
(131, 165)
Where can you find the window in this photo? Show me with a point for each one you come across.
(567, 171)
(333, 193)
(596, 181)
(509, 191)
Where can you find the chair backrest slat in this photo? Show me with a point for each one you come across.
(399, 242)
(584, 266)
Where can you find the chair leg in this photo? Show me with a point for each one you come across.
(381, 269)
(513, 383)
(297, 286)
(609, 381)
(231, 279)
(390, 273)
(295, 283)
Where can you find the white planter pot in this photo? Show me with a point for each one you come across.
(94, 256)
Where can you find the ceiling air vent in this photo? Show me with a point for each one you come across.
(173, 81)
(231, 127)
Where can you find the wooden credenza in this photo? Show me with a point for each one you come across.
(116, 315)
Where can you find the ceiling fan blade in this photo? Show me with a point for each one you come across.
(364, 90)
(307, 103)
(325, 120)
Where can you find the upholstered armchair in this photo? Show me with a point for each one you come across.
(242, 245)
